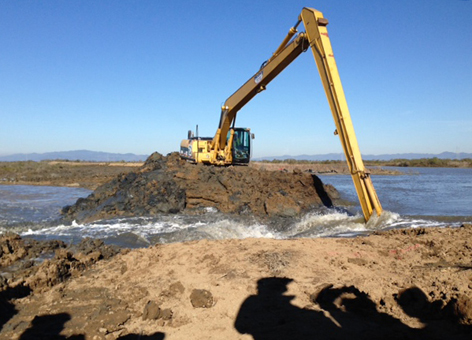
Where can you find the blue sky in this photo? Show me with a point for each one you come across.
(135, 76)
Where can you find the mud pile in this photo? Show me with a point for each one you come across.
(171, 185)
(27, 265)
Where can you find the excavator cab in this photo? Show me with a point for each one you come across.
(241, 146)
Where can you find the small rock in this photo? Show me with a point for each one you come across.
(177, 288)
(63, 254)
(463, 309)
(201, 298)
(151, 311)
(124, 268)
(166, 314)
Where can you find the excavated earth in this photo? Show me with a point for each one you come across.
(167, 184)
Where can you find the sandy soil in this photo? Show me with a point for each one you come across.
(402, 284)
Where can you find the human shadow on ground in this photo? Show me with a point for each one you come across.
(342, 313)
(270, 315)
(441, 320)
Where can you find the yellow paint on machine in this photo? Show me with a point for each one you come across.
(232, 145)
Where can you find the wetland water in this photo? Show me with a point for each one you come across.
(422, 197)
(428, 192)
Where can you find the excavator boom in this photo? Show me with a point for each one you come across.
(220, 151)
(317, 34)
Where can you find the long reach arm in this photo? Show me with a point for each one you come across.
(316, 37)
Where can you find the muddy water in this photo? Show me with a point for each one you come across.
(421, 197)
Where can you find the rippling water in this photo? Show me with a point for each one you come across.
(35, 204)
(421, 191)
(419, 198)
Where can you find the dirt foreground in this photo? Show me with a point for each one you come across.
(402, 284)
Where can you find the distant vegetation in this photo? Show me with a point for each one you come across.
(297, 161)
(84, 155)
(420, 163)
(426, 163)
(62, 173)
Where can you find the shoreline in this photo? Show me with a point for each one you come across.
(90, 175)
(85, 175)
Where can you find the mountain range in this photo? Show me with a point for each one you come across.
(98, 156)
(80, 155)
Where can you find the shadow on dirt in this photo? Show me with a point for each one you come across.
(341, 313)
(7, 309)
(155, 336)
(50, 327)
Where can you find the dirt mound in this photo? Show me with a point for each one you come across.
(171, 185)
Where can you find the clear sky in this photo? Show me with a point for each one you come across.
(135, 76)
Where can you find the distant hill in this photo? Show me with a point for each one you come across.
(98, 156)
(385, 157)
(81, 155)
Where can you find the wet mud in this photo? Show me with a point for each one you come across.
(167, 184)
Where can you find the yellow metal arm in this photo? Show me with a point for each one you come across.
(316, 37)
(315, 25)
(285, 54)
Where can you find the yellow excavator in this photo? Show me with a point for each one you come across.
(232, 145)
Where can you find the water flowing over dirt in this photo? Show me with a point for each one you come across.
(171, 185)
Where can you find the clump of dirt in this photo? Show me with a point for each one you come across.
(201, 298)
(171, 185)
(13, 248)
(29, 265)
